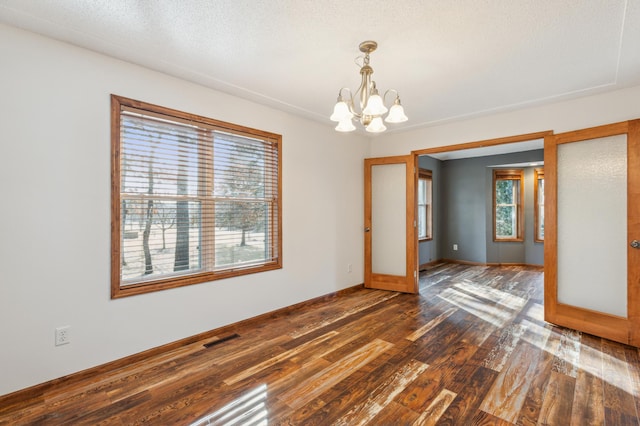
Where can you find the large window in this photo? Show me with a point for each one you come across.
(538, 201)
(425, 208)
(193, 199)
(507, 202)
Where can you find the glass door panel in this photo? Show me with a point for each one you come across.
(592, 224)
(388, 219)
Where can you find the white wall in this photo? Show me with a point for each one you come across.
(560, 117)
(55, 214)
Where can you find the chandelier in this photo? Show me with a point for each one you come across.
(370, 102)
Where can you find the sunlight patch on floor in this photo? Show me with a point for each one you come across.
(249, 409)
(475, 306)
(503, 298)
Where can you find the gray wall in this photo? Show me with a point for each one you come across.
(465, 212)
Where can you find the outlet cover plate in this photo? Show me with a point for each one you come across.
(63, 335)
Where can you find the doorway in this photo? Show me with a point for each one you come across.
(463, 205)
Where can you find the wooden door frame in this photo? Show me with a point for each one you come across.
(484, 143)
(621, 329)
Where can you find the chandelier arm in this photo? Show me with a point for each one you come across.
(349, 101)
(384, 97)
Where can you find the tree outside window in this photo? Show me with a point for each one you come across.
(508, 201)
(425, 207)
(193, 199)
(538, 201)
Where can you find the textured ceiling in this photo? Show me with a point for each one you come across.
(448, 59)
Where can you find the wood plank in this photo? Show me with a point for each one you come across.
(394, 413)
(588, 400)
(356, 389)
(536, 395)
(507, 342)
(434, 411)
(278, 358)
(372, 299)
(568, 353)
(430, 325)
(441, 374)
(588, 406)
(482, 418)
(507, 394)
(382, 396)
(633, 364)
(309, 389)
(471, 392)
(555, 408)
(618, 389)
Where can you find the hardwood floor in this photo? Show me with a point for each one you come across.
(470, 349)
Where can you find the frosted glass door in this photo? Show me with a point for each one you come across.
(390, 242)
(388, 219)
(592, 224)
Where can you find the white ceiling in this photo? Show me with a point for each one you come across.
(448, 59)
(531, 145)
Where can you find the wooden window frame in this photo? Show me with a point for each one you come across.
(538, 174)
(207, 273)
(424, 174)
(510, 174)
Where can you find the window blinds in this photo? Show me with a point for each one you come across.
(194, 198)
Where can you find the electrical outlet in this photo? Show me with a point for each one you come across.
(349, 268)
(455, 247)
(63, 335)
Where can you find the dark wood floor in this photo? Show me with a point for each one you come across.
(470, 349)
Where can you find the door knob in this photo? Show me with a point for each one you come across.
(635, 244)
(367, 229)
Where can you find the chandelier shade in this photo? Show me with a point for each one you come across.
(396, 113)
(345, 125)
(376, 126)
(341, 112)
(371, 104)
(374, 106)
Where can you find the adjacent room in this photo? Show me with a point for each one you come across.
(217, 212)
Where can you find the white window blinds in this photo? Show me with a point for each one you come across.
(196, 200)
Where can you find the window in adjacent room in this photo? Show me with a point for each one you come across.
(193, 199)
(507, 203)
(538, 201)
(425, 207)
